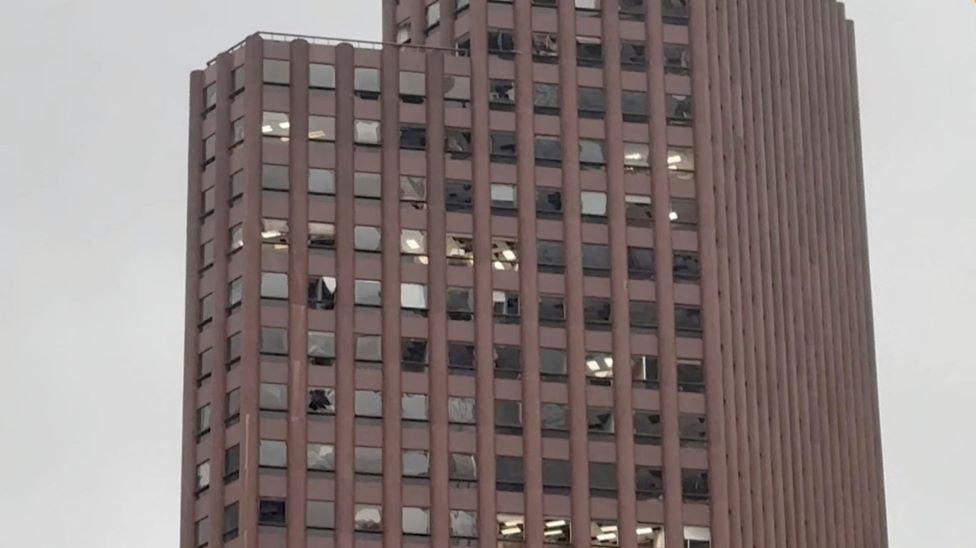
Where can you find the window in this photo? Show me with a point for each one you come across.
(460, 357)
(460, 410)
(413, 245)
(548, 150)
(603, 479)
(369, 350)
(511, 528)
(321, 128)
(320, 514)
(368, 518)
(503, 200)
(589, 50)
(647, 428)
(649, 483)
(504, 254)
(412, 86)
(460, 304)
(462, 46)
(552, 310)
(691, 376)
(413, 189)
(321, 181)
(684, 213)
(367, 185)
(233, 349)
(457, 90)
(369, 403)
(462, 467)
(209, 149)
(592, 103)
(206, 309)
(236, 185)
(237, 132)
(679, 110)
(367, 238)
(645, 371)
(413, 297)
(413, 137)
(368, 293)
(274, 233)
(271, 512)
(237, 75)
(677, 59)
(591, 154)
(552, 364)
(505, 306)
(321, 76)
(274, 285)
(555, 420)
(203, 476)
(688, 321)
(321, 236)
(202, 532)
(686, 266)
(597, 313)
(596, 260)
(276, 71)
(413, 407)
(416, 464)
(321, 292)
(588, 8)
(633, 55)
(545, 98)
(594, 206)
(643, 315)
(508, 361)
(457, 143)
(508, 417)
(509, 474)
(273, 454)
(203, 420)
(464, 524)
(274, 341)
(501, 43)
(635, 106)
(638, 210)
(694, 485)
(367, 132)
(232, 406)
(548, 202)
(632, 10)
(208, 202)
(545, 47)
(205, 361)
(231, 521)
(416, 521)
(275, 125)
(640, 263)
(210, 97)
(503, 147)
(599, 368)
(460, 250)
(273, 397)
(461, 5)
(681, 159)
(413, 354)
(366, 82)
(403, 33)
(599, 421)
(321, 401)
(236, 237)
(232, 463)
(692, 430)
(501, 95)
(556, 476)
(458, 196)
(636, 157)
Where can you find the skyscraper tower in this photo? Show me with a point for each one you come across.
(533, 273)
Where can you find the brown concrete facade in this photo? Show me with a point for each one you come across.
(533, 273)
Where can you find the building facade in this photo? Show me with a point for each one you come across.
(533, 273)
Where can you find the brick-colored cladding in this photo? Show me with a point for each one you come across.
(533, 273)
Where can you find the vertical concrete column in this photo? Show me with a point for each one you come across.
(251, 307)
(418, 17)
(481, 181)
(297, 293)
(191, 339)
(711, 323)
(663, 271)
(437, 306)
(528, 277)
(575, 324)
(390, 242)
(345, 483)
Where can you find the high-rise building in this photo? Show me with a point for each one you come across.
(533, 273)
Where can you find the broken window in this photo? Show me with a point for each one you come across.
(589, 50)
(321, 292)
(501, 95)
(647, 428)
(679, 110)
(271, 512)
(548, 202)
(633, 55)
(460, 303)
(545, 47)
(458, 196)
(321, 401)
(677, 59)
(505, 306)
(504, 254)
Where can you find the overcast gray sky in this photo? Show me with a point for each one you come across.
(93, 96)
